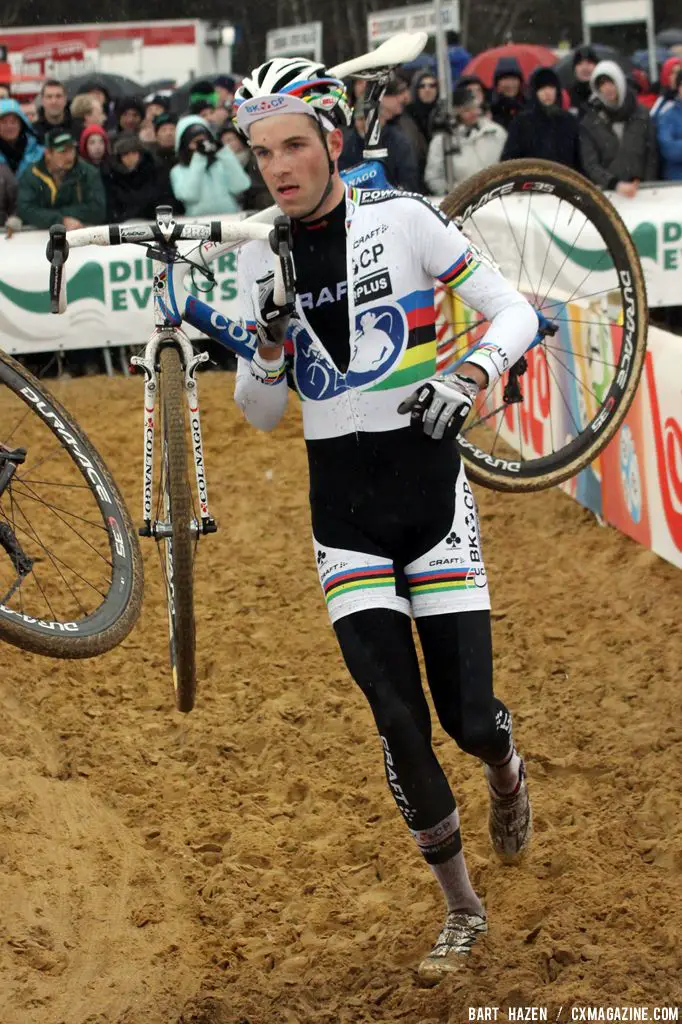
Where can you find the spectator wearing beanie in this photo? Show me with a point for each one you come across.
(508, 99)
(669, 130)
(93, 146)
(617, 137)
(154, 106)
(472, 143)
(225, 87)
(585, 61)
(133, 183)
(208, 176)
(163, 146)
(543, 129)
(129, 116)
(476, 86)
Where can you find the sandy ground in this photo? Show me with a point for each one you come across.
(246, 863)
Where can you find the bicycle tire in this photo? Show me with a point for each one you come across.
(547, 471)
(178, 548)
(113, 620)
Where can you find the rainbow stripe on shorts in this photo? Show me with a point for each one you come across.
(369, 577)
(435, 581)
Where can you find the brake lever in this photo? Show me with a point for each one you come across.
(57, 252)
(281, 243)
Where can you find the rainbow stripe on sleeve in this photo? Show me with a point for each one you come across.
(460, 271)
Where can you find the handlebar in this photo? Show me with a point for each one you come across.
(166, 233)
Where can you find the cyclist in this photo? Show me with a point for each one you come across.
(395, 527)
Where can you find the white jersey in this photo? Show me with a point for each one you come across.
(398, 245)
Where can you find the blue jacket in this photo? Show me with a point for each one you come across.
(669, 131)
(34, 150)
(204, 187)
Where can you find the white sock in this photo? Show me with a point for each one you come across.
(503, 778)
(451, 873)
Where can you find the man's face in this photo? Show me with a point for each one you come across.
(509, 85)
(165, 136)
(393, 106)
(131, 160)
(96, 115)
(427, 91)
(468, 115)
(293, 160)
(10, 127)
(130, 121)
(225, 97)
(584, 69)
(547, 95)
(54, 101)
(60, 161)
(608, 91)
(477, 91)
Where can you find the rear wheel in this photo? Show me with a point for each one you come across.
(177, 547)
(563, 244)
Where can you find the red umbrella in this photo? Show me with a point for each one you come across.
(528, 55)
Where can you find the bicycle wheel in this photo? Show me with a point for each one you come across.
(71, 576)
(562, 243)
(178, 545)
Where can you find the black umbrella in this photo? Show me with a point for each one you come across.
(116, 86)
(564, 67)
(163, 85)
(669, 37)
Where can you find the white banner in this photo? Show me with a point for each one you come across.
(295, 40)
(615, 12)
(418, 18)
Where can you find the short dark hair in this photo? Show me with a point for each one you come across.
(452, 37)
(52, 82)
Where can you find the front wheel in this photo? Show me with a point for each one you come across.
(70, 567)
(561, 242)
(179, 541)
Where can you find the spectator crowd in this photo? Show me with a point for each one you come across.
(94, 161)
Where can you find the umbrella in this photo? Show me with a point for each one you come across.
(669, 37)
(180, 100)
(641, 57)
(163, 85)
(116, 86)
(564, 68)
(528, 56)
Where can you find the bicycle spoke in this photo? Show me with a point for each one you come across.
(73, 529)
(547, 251)
(580, 355)
(497, 435)
(576, 298)
(562, 265)
(570, 411)
(576, 377)
(523, 265)
(14, 530)
(56, 508)
(34, 575)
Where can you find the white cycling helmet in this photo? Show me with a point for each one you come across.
(291, 85)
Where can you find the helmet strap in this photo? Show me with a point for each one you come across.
(330, 181)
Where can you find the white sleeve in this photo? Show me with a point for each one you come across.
(260, 389)
(449, 256)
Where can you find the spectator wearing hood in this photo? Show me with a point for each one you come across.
(508, 99)
(420, 115)
(208, 176)
(472, 143)
(543, 129)
(669, 131)
(400, 165)
(585, 60)
(54, 109)
(60, 188)
(19, 146)
(129, 115)
(668, 95)
(617, 137)
(134, 184)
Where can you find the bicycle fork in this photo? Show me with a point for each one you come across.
(148, 364)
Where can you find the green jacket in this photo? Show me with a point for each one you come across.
(41, 202)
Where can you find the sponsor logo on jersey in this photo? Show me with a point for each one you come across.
(376, 286)
(376, 346)
(325, 295)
